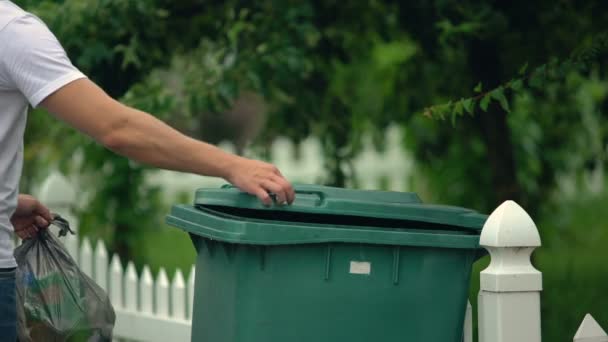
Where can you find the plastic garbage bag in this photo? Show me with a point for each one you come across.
(56, 301)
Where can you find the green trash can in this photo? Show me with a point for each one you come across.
(337, 265)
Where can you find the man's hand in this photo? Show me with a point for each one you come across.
(259, 178)
(30, 216)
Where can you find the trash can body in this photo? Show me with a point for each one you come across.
(294, 274)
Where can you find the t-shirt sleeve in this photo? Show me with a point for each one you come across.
(33, 60)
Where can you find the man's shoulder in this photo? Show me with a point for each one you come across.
(9, 12)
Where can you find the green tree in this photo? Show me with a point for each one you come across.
(499, 100)
(338, 70)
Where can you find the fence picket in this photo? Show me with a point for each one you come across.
(191, 291)
(86, 257)
(101, 265)
(227, 146)
(400, 166)
(590, 331)
(131, 287)
(311, 161)
(116, 282)
(146, 291)
(468, 323)
(368, 164)
(162, 293)
(178, 296)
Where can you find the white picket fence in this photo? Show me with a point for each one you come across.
(391, 167)
(160, 309)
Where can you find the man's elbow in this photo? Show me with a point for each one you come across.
(116, 138)
(112, 141)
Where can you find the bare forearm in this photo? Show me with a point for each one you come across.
(140, 136)
(148, 140)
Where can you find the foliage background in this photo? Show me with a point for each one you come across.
(500, 100)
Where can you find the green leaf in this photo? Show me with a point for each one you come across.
(469, 105)
(517, 85)
(443, 110)
(477, 88)
(459, 108)
(485, 101)
(499, 95)
(523, 69)
(537, 80)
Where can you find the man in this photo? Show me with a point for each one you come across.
(34, 69)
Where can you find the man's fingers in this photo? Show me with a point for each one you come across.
(287, 188)
(282, 181)
(276, 189)
(263, 196)
(27, 232)
(44, 212)
(41, 222)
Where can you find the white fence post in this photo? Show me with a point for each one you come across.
(590, 331)
(509, 297)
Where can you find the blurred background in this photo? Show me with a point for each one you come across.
(477, 102)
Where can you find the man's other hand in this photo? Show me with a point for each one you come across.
(30, 216)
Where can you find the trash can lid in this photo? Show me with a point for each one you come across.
(330, 202)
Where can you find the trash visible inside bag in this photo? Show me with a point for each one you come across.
(56, 301)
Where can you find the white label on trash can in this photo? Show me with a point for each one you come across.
(360, 267)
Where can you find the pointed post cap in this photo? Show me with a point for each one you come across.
(509, 226)
(590, 331)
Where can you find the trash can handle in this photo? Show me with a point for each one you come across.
(321, 194)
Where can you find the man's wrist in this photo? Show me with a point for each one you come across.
(228, 166)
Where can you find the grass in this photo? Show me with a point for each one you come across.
(170, 248)
(574, 262)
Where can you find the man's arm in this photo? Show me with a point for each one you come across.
(141, 137)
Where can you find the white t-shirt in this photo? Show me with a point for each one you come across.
(33, 65)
